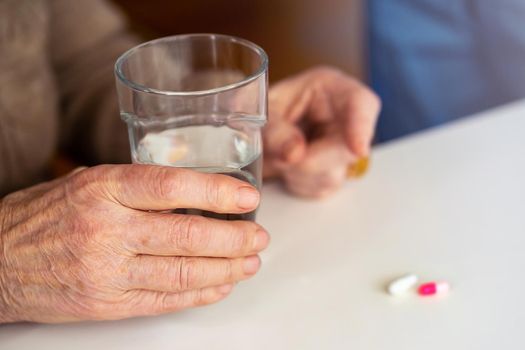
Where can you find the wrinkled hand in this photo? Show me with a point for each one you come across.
(320, 122)
(89, 246)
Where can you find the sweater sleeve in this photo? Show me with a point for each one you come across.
(86, 38)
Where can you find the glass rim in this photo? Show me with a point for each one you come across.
(141, 88)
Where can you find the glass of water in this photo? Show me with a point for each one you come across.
(196, 101)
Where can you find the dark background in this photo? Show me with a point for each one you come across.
(296, 34)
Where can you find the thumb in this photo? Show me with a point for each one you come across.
(284, 145)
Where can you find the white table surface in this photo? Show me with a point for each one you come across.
(445, 204)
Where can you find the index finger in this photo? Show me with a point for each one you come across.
(352, 103)
(152, 187)
(359, 117)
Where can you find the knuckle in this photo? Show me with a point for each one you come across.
(188, 234)
(200, 298)
(160, 181)
(89, 174)
(187, 274)
(90, 267)
(229, 271)
(162, 303)
(12, 199)
(170, 302)
(80, 184)
(364, 94)
(138, 275)
(91, 234)
(165, 181)
(86, 186)
(241, 238)
(367, 97)
(325, 71)
(214, 191)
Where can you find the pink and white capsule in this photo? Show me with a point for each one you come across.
(433, 288)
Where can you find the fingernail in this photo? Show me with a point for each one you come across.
(251, 265)
(247, 198)
(261, 240)
(225, 288)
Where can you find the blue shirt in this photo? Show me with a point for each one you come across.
(433, 61)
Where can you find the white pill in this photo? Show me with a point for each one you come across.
(402, 285)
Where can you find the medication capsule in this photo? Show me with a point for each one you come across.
(433, 288)
(358, 169)
(402, 284)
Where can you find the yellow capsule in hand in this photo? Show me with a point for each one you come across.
(358, 169)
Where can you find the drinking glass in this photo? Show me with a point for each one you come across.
(196, 101)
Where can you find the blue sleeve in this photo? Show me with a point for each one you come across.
(432, 61)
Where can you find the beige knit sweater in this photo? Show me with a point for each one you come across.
(57, 87)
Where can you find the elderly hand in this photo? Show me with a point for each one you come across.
(96, 245)
(320, 122)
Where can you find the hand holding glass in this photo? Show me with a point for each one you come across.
(196, 101)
